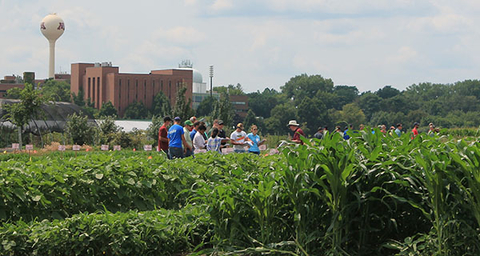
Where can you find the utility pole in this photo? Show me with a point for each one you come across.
(211, 81)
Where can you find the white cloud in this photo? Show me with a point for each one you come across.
(403, 55)
(181, 35)
(222, 5)
(442, 23)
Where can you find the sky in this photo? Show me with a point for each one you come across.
(256, 43)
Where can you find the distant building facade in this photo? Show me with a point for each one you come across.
(240, 104)
(9, 82)
(103, 83)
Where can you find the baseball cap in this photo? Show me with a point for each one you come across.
(240, 125)
(188, 122)
(177, 118)
(220, 122)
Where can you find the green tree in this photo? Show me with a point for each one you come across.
(303, 85)
(352, 114)
(369, 103)
(205, 108)
(182, 107)
(262, 103)
(27, 109)
(250, 119)
(230, 89)
(108, 110)
(79, 131)
(13, 93)
(78, 99)
(161, 105)
(108, 129)
(312, 113)
(224, 110)
(345, 94)
(136, 110)
(387, 92)
(56, 90)
(278, 120)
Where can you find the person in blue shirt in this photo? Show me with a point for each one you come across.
(215, 142)
(398, 131)
(176, 138)
(195, 129)
(254, 140)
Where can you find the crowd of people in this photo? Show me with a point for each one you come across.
(179, 141)
(394, 130)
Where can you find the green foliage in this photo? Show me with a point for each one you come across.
(29, 106)
(205, 108)
(278, 120)
(56, 90)
(230, 89)
(224, 110)
(108, 130)
(161, 105)
(303, 86)
(108, 109)
(250, 119)
(352, 114)
(78, 99)
(136, 110)
(369, 195)
(79, 131)
(262, 103)
(159, 232)
(182, 105)
(13, 93)
(387, 92)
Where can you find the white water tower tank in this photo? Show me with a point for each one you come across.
(52, 28)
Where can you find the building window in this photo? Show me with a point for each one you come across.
(119, 88)
(93, 89)
(145, 91)
(89, 87)
(170, 90)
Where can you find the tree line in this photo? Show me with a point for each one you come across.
(312, 100)
(315, 101)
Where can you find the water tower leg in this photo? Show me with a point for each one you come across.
(51, 62)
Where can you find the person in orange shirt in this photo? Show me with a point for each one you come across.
(415, 130)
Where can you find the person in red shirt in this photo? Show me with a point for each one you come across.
(414, 130)
(297, 132)
(162, 135)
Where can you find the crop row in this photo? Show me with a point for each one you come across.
(159, 232)
(51, 187)
(370, 195)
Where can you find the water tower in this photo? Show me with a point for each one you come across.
(52, 28)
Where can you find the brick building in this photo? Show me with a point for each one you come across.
(9, 82)
(103, 82)
(240, 104)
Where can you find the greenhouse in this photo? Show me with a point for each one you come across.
(52, 118)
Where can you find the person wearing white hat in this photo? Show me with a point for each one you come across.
(297, 132)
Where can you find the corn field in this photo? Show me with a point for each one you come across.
(369, 195)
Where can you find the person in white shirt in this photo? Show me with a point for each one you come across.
(238, 139)
(199, 141)
(186, 129)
